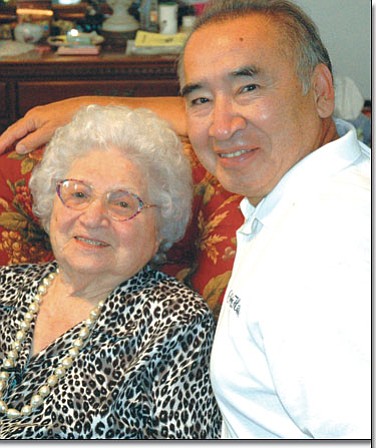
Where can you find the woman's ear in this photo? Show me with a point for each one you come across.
(323, 88)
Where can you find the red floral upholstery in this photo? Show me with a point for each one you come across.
(203, 259)
(22, 238)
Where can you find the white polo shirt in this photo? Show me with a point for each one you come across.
(291, 356)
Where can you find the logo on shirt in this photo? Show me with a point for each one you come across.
(234, 301)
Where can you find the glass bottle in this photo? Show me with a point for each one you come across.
(149, 16)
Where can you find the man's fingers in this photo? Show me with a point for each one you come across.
(15, 133)
(33, 141)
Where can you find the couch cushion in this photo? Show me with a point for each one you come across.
(22, 240)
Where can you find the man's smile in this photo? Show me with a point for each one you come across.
(230, 155)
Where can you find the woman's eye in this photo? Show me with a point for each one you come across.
(79, 195)
(122, 204)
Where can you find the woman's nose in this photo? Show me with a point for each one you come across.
(226, 120)
(95, 214)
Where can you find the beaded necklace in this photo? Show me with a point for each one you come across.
(9, 362)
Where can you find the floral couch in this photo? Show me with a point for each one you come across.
(203, 259)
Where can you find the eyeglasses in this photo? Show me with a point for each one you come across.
(121, 205)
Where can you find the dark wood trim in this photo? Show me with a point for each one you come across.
(37, 78)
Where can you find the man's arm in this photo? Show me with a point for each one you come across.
(38, 125)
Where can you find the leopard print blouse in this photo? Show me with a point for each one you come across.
(143, 373)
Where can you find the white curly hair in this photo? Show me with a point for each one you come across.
(145, 140)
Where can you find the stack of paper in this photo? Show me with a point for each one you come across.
(79, 50)
(156, 43)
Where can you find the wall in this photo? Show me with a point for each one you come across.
(345, 28)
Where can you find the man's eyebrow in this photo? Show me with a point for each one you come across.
(189, 88)
(245, 71)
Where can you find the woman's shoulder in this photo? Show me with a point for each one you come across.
(164, 295)
(13, 273)
(19, 280)
(176, 288)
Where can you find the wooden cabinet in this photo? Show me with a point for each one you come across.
(32, 79)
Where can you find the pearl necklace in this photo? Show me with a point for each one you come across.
(43, 392)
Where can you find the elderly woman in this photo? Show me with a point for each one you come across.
(98, 344)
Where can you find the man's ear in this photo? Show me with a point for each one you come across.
(323, 88)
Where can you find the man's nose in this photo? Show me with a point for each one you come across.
(226, 120)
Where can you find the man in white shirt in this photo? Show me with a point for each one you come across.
(291, 357)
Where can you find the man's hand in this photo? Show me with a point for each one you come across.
(36, 128)
(38, 125)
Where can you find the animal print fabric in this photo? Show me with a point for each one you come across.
(143, 373)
